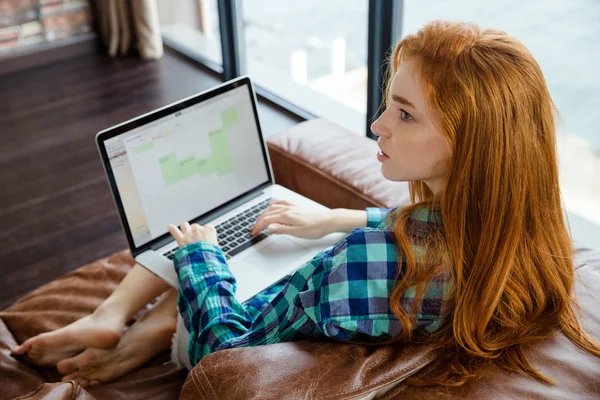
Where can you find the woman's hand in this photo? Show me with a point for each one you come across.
(287, 218)
(193, 233)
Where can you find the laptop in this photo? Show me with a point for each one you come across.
(203, 160)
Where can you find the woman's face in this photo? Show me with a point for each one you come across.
(414, 149)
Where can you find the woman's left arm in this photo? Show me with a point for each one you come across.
(216, 320)
(342, 293)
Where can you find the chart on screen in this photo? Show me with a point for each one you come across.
(174, 164)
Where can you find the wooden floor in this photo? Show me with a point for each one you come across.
(56, 211)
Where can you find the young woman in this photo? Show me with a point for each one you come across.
(478, 265)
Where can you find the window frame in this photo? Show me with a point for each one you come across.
(384, 27)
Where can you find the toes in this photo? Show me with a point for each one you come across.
(81, 362)
(82, 382)
(70, 377)
(68, 366)
(23, 348)
(17, 350)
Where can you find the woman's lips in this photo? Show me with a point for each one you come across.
(381, 156)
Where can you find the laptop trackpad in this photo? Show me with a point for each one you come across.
(279, 253)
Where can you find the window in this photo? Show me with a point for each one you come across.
(192, 27)
(313, 58)
(564, 37)
(312, 54)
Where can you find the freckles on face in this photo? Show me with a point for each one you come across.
(408, 136)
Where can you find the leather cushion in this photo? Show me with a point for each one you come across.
(577, 371)
(302, 369)
(16, 378)
(63, 301)
(58, 391)
(333, 166)
(348, 371)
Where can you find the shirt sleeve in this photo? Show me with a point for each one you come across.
(217, 321)
(342, 293)
(375, 216)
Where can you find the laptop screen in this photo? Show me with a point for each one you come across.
(187, 163)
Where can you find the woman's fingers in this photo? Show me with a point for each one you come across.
(259, 224)
(282, 202)
(186, 228)
(280, 217)
(276, 207)
(279, 206)
(177, 234)
(195, 233)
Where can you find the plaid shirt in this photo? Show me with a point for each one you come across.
(342, 293)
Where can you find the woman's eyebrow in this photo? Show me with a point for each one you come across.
(402, 100)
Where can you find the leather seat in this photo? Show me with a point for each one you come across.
(344, 371)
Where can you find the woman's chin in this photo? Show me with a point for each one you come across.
(387, 175)
(392, 177)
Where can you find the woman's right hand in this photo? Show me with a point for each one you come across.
(283, 217)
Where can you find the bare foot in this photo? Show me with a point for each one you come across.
(102, 329)
(140, 343)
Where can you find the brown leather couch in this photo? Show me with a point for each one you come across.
(338, 169)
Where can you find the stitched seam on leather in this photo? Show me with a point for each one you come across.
(371, 388)
(198, 383)
(327, 176)
(207, 388)
(27, 396)
(73, 390)
(30, 394)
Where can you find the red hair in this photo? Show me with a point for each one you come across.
(504, 241)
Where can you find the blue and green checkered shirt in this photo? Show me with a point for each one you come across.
(342, 293)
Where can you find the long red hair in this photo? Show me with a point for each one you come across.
(504, 241)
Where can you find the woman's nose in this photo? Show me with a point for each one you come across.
(375, 128)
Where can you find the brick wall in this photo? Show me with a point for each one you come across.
(25, 23)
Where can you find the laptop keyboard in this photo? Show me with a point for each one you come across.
(234, 234)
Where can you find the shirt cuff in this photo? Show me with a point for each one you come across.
(375, 216)
(204, 247)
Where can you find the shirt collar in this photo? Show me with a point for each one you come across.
(423, 220)
(425, 214)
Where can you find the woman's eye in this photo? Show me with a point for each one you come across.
(404, 115)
